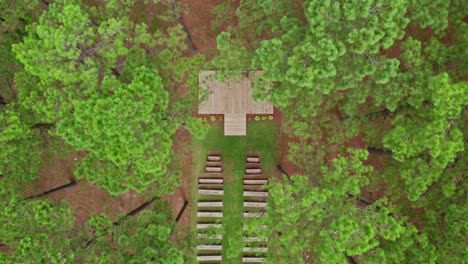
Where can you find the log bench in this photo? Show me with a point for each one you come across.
(207, 226)
(252, 160)
(254, 215)
(209, 258)
(253, 260)
(210, 181)
(253, 171)
(210, 247)
(264, 227)
(255, 239)
(210, 204)
(255, 182)
(255, 249)
(213, 158)
(209, 214)
(213, 169)
(207, 236)
(211, 192)
(255, 194)
(255, 204)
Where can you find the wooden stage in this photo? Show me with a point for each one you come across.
(233, 99)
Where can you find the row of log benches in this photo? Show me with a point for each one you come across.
(255, 203)
(212, 184)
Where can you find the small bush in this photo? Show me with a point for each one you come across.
(257, 118)
(270, 117)
(213, 118)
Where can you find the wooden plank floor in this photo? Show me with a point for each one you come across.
(232, 98)
(235, 125)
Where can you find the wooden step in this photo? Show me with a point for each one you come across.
(255, 194)
(209, 258)
(210, 181)
(255, 204)
(255, 249)
(253, 260)
(210, 247)
(255, 182)
(206, 226)
(210, 192)
(210, 204)
(209, 214)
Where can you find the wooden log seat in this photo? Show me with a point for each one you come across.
(213, 169)
(255, 182)
(213, 158)
(211, 192)
(255, 204)
(210, 181)
(210, 204)
(210, 247)
(209, 258)
(253, 171)
(255, 194)
(252, 160)
(210, 214)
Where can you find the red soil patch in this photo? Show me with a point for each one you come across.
(182, 193)
(282, 147)
(197, 19)
(84, 198)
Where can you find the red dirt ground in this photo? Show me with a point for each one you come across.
(197, 19)
(84, 198)
(182, 193)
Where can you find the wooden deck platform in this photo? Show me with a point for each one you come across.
(233, 99)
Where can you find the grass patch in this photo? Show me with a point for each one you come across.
(261, 138)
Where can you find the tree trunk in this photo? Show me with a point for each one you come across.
(385, 113)
(43, 126)
(179, 215)
(115, 72)
(136, 210)
(351, 260)
(359, 199)
(282, 171)
(68, 185)
(180, 20)
(46, 4)
(379, 151)
(123, 218)
(2, 100)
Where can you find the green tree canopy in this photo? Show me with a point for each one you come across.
(87, 71)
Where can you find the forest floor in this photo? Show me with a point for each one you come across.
(260, 140)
